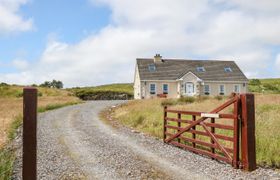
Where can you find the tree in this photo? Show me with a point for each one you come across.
(52, 84)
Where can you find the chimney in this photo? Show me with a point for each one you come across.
(157, 58)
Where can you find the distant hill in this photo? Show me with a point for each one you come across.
(105, 92)
(267, 86)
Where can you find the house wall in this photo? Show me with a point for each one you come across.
(229, 87)
(137, 84)
(172, 89)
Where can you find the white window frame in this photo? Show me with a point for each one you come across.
(220, 89)
(208, 89)
(163, 92)
(238, 85)
(151, 92)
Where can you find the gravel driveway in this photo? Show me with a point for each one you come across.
(73, 143)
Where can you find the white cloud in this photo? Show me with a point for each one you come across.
(10, 19)
(20, 64)
(277, 62)
(178, 29)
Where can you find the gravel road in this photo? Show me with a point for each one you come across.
(73, 143)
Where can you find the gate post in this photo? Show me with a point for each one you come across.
(164, 122)
(29, 156)
(248, 146)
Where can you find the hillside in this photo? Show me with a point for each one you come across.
(267, 86)
(105, 92)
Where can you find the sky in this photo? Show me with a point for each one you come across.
(93, 42)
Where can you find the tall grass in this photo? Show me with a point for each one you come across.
(147, 116)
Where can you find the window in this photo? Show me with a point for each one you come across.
(228, 69)
(151, 67)
(236, 88)
(206, 89)
(152, 89)
(222, 89)
(200, 69)
(165, 88)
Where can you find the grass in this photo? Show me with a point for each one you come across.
(266, 86)
(147, 116)
(11, 117)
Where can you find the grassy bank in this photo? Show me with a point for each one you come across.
(11, 117)
(104, 92)
(147, 116)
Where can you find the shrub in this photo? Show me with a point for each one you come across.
(186, 99)
(255, 82)
(218, 97)
(202, 98)
(168, 102)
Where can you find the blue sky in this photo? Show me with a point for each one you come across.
(92, 42)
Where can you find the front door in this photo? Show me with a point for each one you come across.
(189, 89)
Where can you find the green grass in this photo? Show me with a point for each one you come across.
(55, 106)
(267, 86)
(147, 116)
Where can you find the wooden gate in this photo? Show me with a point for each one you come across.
(216, 133)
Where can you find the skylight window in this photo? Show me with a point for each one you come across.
(152, 67)
(200, 69)
(228, 69)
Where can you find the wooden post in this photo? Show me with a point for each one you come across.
(236, 132)
(29, 157)
(213, 131)
(248, 145)
(193, 134)
(179, 126)
(164, 122)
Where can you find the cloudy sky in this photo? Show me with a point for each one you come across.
(92, 42)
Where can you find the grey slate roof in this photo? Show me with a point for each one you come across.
(172, 69)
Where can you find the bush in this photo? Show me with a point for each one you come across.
(186, 99)
(218, 97)
(202, 98)
(255, 82)
(138, 121)
(168, 102)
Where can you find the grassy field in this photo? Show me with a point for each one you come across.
(266, 86)
(147, 116)
(11, 117)
(110, 91)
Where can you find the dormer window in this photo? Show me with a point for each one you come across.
(152, 67)
(228, 69)
(200, 69)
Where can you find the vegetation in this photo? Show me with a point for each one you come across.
(104, 92)
(267, 86)
(52, 84)
(147, 116)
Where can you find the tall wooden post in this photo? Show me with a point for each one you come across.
(29, 157)
(248, 144)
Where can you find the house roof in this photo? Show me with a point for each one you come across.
(173, 69)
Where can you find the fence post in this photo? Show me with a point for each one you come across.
(164, 122)
(29, 155)
(248, 146)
